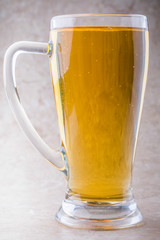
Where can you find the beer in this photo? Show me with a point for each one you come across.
(98, 75)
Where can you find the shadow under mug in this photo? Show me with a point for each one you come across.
(99, 65)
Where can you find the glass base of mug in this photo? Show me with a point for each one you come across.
(99, 216)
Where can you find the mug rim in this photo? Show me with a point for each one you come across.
(99, 19)
(77, 15)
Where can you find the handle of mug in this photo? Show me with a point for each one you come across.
(57, 158)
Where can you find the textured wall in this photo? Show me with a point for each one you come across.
(31, 189)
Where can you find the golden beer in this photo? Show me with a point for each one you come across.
(98, 79)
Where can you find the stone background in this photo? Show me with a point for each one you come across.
(31, 190)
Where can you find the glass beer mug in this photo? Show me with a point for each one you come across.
(99, 65)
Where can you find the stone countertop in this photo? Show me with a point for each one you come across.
(31, 190)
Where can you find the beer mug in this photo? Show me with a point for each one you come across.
(98, 65)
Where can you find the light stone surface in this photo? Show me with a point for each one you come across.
(31, 190)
